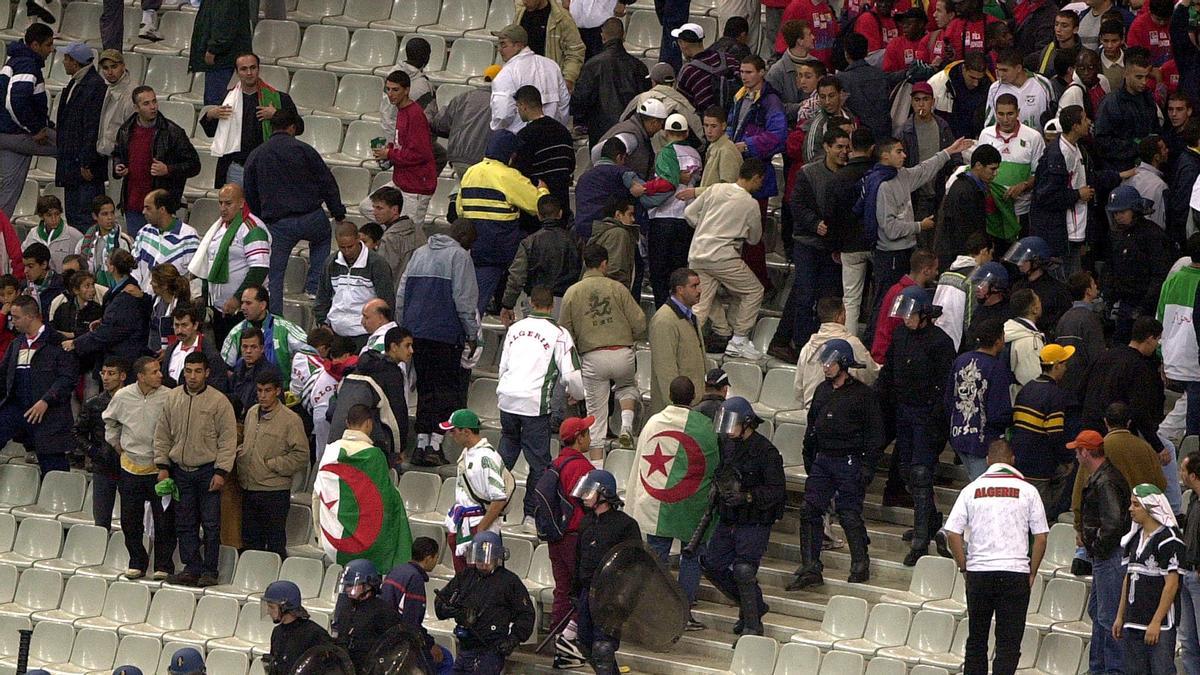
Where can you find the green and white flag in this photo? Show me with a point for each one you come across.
(357, 511)
(669, 483)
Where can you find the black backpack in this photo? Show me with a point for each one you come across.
(552, 510)
(726, 82)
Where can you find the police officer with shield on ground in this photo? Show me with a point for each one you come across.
(490, 607)
(361, 618)
(845, 431)
(294, 633)
(750, 496)
(603, 526)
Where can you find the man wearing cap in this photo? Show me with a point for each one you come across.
(841, 446)
(118, 102)
(635, 132)
(1044, 416)
(536, 356)
(662, 87)
(916, 134)
(465, 122)
(609, 80)
(1140, 258)
(605, 321)
(572, 465)
(704, 69)
(479, 488)
(1102, 521)
(676, 172)
(521, 67)
(80, 170)
(716, 390)
(24, 119)
(1003, 513)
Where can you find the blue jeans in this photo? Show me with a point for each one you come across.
(78, 203)
(1106, 655)
(689, 565)
(134, 221)
(817, 276)
(888, 267)
(197, 508)
(1189, 610)
(532, 436)
(1193, 411)
(285, 234)
(976, 466)
(1158, 659)
(216, 84)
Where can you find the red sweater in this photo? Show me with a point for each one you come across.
(964, 36)
(878, 31)
(886, 325)
(900, 54)
(570, 473)
(138, 182)
(413, 168)
(819, 15)
(1155, 37)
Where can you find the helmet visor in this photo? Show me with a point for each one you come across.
(587, 488)
(1020, 252)
(829, 356)
(983, 280)
(485, 553)
(904, 307)
(728, 422)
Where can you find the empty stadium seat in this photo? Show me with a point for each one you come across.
(302, 540)
(886, 627)
(845, 618)
(37, 539)
(83, 597)
(420, 491)
(194, 94)
(140, 651)
(789, 439)
(8, 531)
(201, 185)
(778, 392)
(84, 547)
(468, 58)
(276, 76)
(168, 75)
(255, 571)
(458, 17)
(931, 633)
(499, 15)
(754, 655)
(644, 32)
(369, 49)
(932, 579)
(444, 501)
(928, 670)
(619, 463)
(1060, 550)
(956, 604)
(204, 212)
(313, 11)
(306, 573)
(481, 397)
(51, 643)
(1063, 600)
(252, 635)
(358, 98)
(359, 14)
(116, 559)
(323, 133)
(841, 663)
(61, 492)
(329, 590)
(356, 147)
(745, 379)
(796, 659)
(10, 640)
(170, 610)
(1059, 654)
(409, 15)
(8, 582)
(176, 32)
(213, 619)
(322, 45)
(37, 591)
(80, 22)
(223, 660)
(92, 650)
(886, 666)
(127, 603)
(313, 90)
(18, 485)
(274, 40)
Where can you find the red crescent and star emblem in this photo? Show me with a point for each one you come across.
(370, 510)
(658, 460)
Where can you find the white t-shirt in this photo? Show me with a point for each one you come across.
(482, 466)
(1001, 510)
(1033, 99)
(1022, 149)
(1077, 217)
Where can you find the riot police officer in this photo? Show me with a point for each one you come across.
(489, 605)
(603, 526)
(294, 632)
(913, 383)
(362, 618)
(187, 661)
(750, 493)
(845, 430)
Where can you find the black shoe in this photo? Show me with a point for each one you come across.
(914, 555)
(693, 624)
(1081, 567)
(205, 581)
(907, 536)
(943, 549)
(716, 344)
(805, 580)
(182, 579)
(783, 351)
(859, 573)
(428, 457)
(739, 627)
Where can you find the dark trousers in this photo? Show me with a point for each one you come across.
(730, 561)
(918, 445)
(112, 33)
(673, 15)
(840, 480)
(479, 662)
(589, 634)
(286, 233)
(264, 520)
(1193, 407)
(104, 497)
(441, 383)
(668, 242)
(197, 509)
(223, 323)
(216, 83)
(136, 491)
(1157, 659)
(888, 267)
(817, 276)
(13, 427)
(531, 435)
(1005, 595)
(78, 201)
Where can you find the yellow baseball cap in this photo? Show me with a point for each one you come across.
(1052, 354)
(491, 72)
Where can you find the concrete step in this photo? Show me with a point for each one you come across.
(691, 654)
(721, 617)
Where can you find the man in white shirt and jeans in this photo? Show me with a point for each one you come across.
(480, 493)
(1001, 510)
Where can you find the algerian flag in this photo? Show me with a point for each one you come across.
(1002, 220)
(358, 512)
(669, 483)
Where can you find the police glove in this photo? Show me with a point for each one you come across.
(737, 499)
(507, 645)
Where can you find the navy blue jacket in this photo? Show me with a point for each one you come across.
(77, 126)
(1187, 170)
(1122, 121)
(123, 327)
(978, 401)
(52, 377)
(595, 187)
(1187, 57)
(26, 105)
(286, 177)
(1053, 196)
(1045, 417)
(404, 589)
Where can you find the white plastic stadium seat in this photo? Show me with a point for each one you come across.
(409, 15)
(223, 660)
(92, 650)
(754, 655)
(1059, 654)
(176, 31)
(931, 633)
(168, 75)
(18, 484)
(214, 618)
(170, 610)
(323, 133)
(116, 560)
(62, 492)
(37, 539)
(499, 15)
(252, 635)
(255, 571)
(845, 618)
(745, 379)
(458, 17)
(797, 659)
(932, 579)
(313, 90)
(369, 49)
(885, 666)
(358, 97)
(140, 651)
(468, 58)
(841, 663)
(80, 22)
(886, 627)
(127, 604)
(51, 643)
(313, 11)
(37, 591)
(1063, 600)
(420, 491)
(275, 39)
(82, 598)
(321, 45)
(359, 14)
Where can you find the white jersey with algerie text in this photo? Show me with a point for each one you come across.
(1000, 510)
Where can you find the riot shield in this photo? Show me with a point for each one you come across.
(634, 598)
(398, 653)
(325, 658)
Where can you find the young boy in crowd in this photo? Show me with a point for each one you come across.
(53, 231)
(102, 238)
(404, 589)
(89, 440)
(10, 288)
(370, 234)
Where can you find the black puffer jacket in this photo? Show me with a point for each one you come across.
(759, 468)
(1104, 511)
(1139, 260)
(89, 435)
(607, 83)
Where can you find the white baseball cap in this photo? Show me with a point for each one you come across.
(653, 107)
(690, 32)
(676, 122)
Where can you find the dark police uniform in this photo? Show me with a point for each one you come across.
(493, 615)
(289, 641)
(359, 625)
(598, 534)
(739, 540)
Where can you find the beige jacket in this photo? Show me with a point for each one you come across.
(274, 449)
(196, 429)
(129, 424)
(809, 372)
(600, 312)
(724, 216)
(118, 106)
(564, 46)
(722, 163)
(675, 349)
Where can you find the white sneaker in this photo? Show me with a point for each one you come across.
(529, 525)
(740, 347)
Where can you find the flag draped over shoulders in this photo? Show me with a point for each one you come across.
(668, 487)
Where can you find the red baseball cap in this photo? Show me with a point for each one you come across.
(571, 427)
(1087, 440)
(922, 88)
